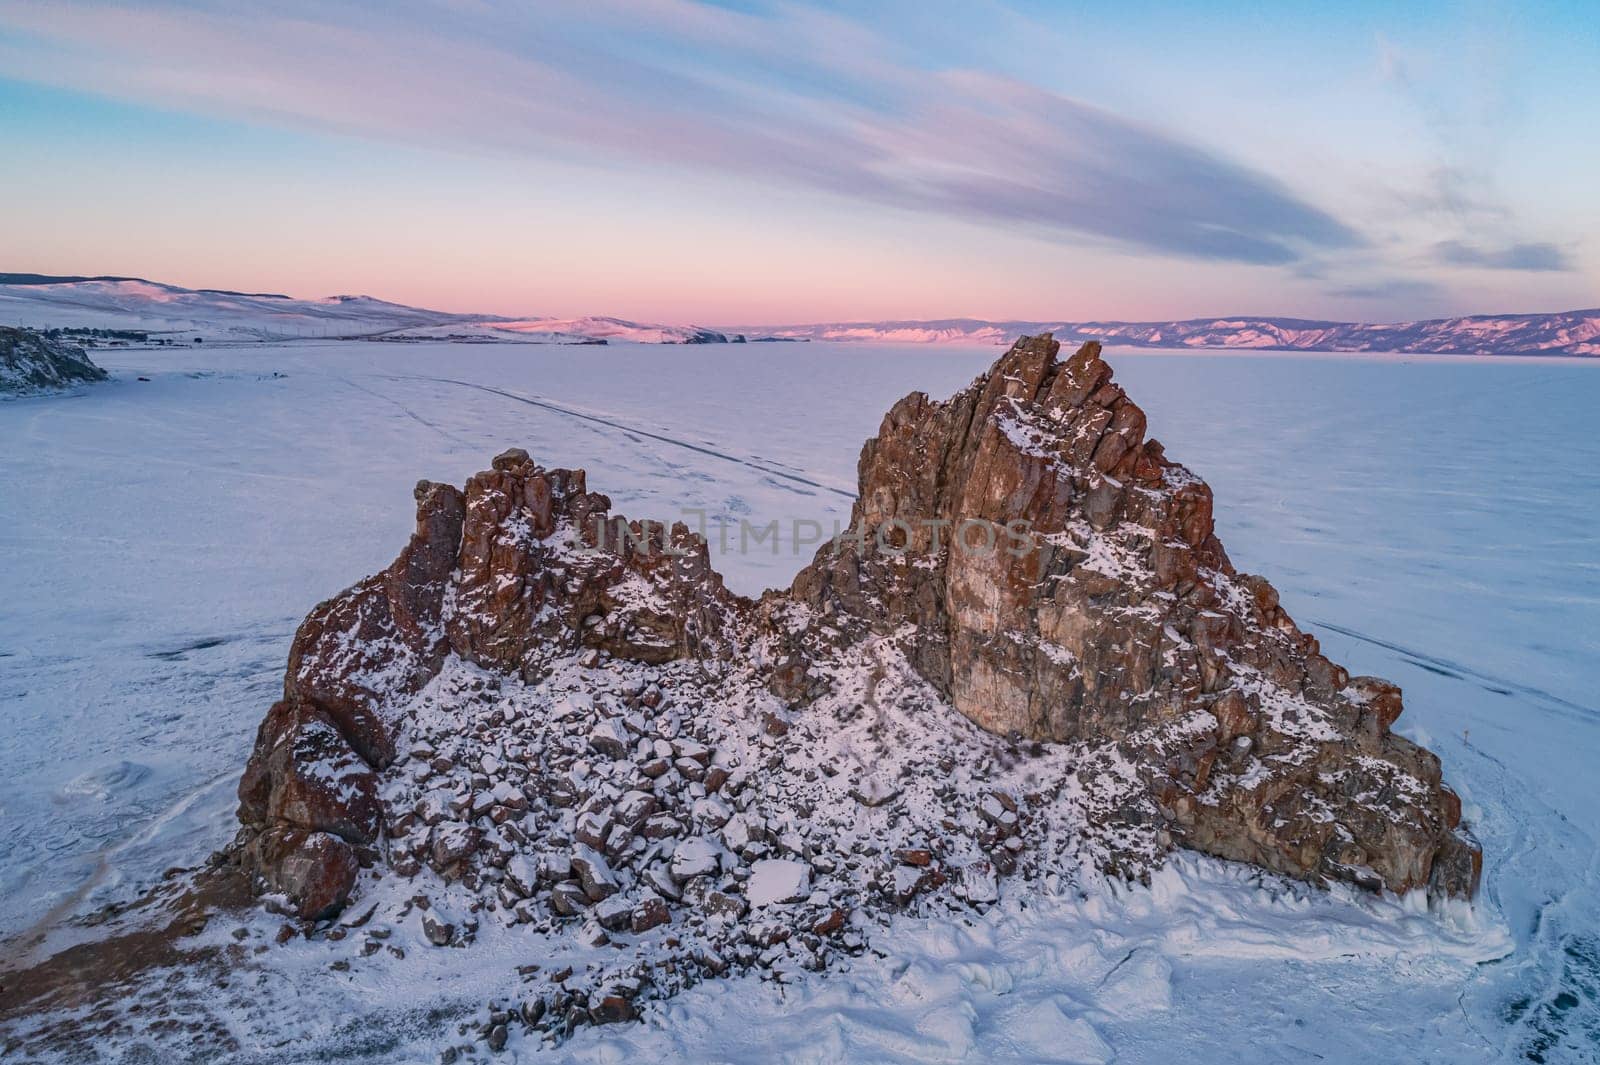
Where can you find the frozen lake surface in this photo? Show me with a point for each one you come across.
(1431, 519)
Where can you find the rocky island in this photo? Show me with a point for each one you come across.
(31, 361)
(1033, 663)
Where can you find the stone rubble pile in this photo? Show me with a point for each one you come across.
(697, 822)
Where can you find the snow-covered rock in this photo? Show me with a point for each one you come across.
(777, 880)
(33, 362)
(695, 856)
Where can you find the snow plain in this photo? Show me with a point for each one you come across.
(1430, 518)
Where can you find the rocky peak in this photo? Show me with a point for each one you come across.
(995, 501)
(1046, 567)
(521, 568)
(545, 568)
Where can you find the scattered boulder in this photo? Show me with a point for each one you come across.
(695, 856)
(454, 842)
(569, 898)
(438, 932)
(650, 913)
(777, 880)
(614, 913)
(610, 738)
(978, 882)
(315, 870)
(593, 873)
(524, 875)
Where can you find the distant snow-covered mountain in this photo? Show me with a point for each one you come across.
(128, 303)
(125, 303)
(1564, 333)
(134, 304)
(587, 330)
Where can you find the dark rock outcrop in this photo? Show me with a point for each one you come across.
(383, 637)
(313, 870)
(545, 568)
(33, 362)
(313, 769)
(522, 567)
(1024, 548)
(1057, 577)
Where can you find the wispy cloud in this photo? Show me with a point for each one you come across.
(784, 94)
(1414, 289)
(1535, 256)
(1462, 113)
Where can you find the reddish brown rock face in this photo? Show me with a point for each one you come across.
(1042, 564)
(413, 586)
(525, 565)
(1059, 631)
(311, 776)
(317, 871)
(383, 636)
(306, 775)
(1118, 617)
(545, 568)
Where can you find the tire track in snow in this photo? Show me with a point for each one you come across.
(405, 410)
(1444, 667)
(622, 427)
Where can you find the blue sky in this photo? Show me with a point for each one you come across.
(751, 162)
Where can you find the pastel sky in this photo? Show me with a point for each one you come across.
(747, 162)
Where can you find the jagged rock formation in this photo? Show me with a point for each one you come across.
(33, 362)
(525, 566)
(568, 716)
(1112, 614)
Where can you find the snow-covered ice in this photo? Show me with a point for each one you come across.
(1430, 519)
